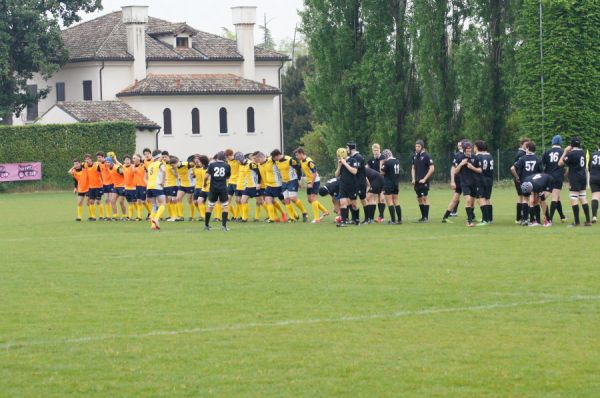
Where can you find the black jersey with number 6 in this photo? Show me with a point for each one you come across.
(528, 165)
(219, 173)
(391, 172)
(576, 162)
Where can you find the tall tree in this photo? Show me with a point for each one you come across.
(571, 69)
(297, 116)
(334, 33)
(30, 42)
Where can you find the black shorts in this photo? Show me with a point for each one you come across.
(95, 193)
(578, 185)
(595, 184)
(251, 192)
(458, 188)
(390, 189)
(347, 192)
(170, 191)
(120, 191)
(469, 190)
(484, 190)
(315, 188)
(231, 189)
(518, 188)
(199, 193)
(557, 181)
(189, 190)
(376, 188)
(361, 191)
(218, 195)
(140, 193)
(130, 195)
(108, 188)
(82, 194)
(421, 189)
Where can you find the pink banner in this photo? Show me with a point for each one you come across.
(20, 171)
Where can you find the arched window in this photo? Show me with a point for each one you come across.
(195, 121)
(223, 120)
(250, 119)
(167, 121)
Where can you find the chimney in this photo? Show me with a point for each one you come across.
(244, 19)
(135, 19)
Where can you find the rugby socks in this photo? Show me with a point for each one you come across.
(470, 214)
(148, 207)
(139, 208)
(202, 209)
(519, 212)
(315, 209)
(92, 211)
(79, 211)
(446, 215)
(179, 206)
(300, 206)
(553, 207)
(372, 209)
(575, 214)
(224, 216)
(559, 209)
(321, 207)
(455, 210)
(245, 211)
(170, 209)
(531, 214)
(524, 211)
(491, 213)
(217, 208)
(586, 212)
(399, 213)
(426, 211)
(290, 210)
(257, 211)
(422, 208)
(355, 214)
(160, 211)
(381, 208)
(392, 213)
(537, 214)
(594, 207)
(271, 212)
(107, 211)
(192, 210)
(278, 207)
(344, 212)
(130, 209)
(207, 216)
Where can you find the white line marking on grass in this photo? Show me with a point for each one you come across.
(293, 322)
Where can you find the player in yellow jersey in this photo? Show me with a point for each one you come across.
(170, 186)
(313, 182)
(185, 187)
(246, 184)
(232, 181)
(200, 190)
(155, 188)
(289, 169)
(257, 158)
(272, 183)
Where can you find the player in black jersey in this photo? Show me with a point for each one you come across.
(486, 182)
(390, 169)
(574, 159)
(468, 170)
(332, 188)
(527, 165)
(218, 172)
(521, 200)
(361, 184)
(550, 162)
(452, 209)
(538, 187)
(421, 171)
(346, 173)
(374, 192)
(375, 163)
(594, 168)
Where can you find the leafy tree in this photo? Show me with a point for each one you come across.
(571, 69)
(30, 42)
(297, 116)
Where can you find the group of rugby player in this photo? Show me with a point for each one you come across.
(225, 183)
(222, 185)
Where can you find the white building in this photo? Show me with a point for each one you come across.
(206, 92)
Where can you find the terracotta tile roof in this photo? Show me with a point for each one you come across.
(105, 38)
(197, 84)
(105, 111)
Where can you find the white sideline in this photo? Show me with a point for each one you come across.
(290, 322)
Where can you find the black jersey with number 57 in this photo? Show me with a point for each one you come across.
(219, 173)
(528, 165)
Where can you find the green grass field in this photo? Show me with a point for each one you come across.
(116, 310)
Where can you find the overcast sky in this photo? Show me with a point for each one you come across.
(211, 15)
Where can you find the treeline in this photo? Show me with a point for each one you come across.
(394, 70)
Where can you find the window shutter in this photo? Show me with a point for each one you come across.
(250, 120)
(167, 121)
(223, 120)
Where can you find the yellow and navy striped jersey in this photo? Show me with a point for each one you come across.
(309, 169)
(156, 175)
(287, 168)
(170, 176)
(183, 172)
(234, 166)
(272, 174)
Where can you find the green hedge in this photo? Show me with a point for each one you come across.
(56, 145)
